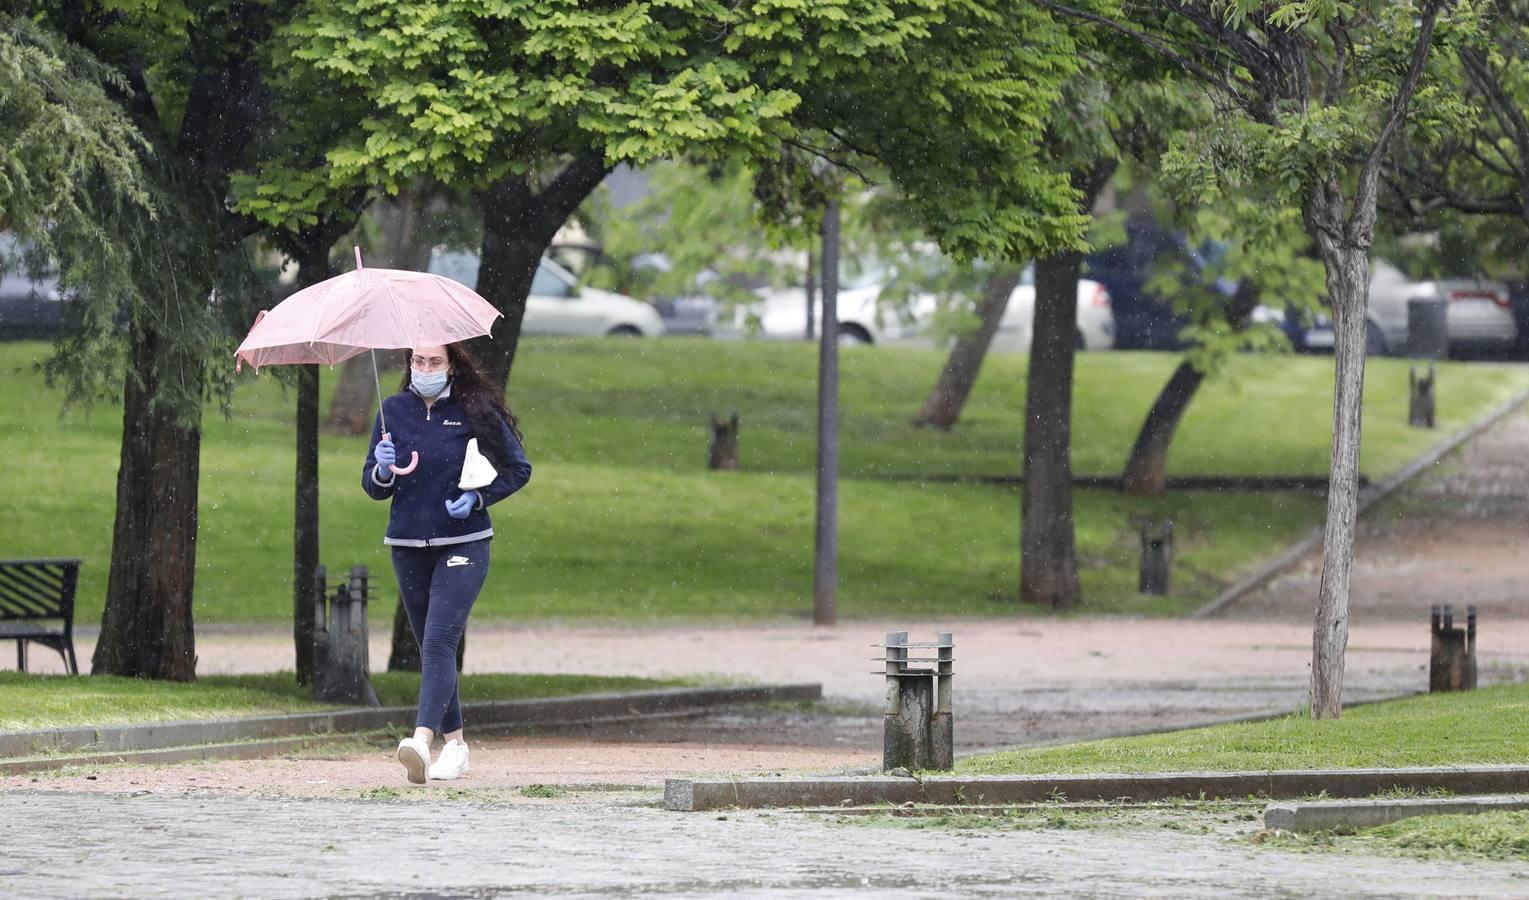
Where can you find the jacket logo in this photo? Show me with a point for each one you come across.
(458, 561)
(450, 422)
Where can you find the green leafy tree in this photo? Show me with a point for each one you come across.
(1265, 251)
(1314, 92)
(528, 103)
(188, 81)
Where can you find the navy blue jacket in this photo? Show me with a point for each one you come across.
(439, 434)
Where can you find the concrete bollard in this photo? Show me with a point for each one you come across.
(1421, 402)
(1452, 661)
(341, 660)
(920, 730)
(1156, 559)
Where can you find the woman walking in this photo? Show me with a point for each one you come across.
(439, 532)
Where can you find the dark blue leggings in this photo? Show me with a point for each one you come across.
(439, 586)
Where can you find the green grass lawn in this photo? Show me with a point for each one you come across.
(1479, 727)
(40, 701)
(623, 520)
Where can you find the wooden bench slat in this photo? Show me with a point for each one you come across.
(36, 578)
(26, 600)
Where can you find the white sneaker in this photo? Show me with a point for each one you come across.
(415, 756)
(452, 764)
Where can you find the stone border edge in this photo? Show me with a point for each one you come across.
(352, 720)
(1379, 492)
(694, 795)
(1355, 814)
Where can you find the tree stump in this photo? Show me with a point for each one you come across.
(724, 443)
(1156, 559)
(1420, 407)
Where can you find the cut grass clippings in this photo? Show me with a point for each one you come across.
(30, 702)
(1488, 726)
(1500, 836)
(623, 521)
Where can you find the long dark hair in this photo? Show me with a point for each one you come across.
(484, 405)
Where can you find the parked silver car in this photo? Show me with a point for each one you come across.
(1479, 315)
(558, 304)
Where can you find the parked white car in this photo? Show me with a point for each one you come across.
(558, 304)
(1095, 322)
(782, 315)
(1479, 314)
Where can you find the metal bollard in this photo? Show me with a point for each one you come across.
(1421, 401)
(723, 453)
(920, 730)
(1156, 559)
(1452, 659)
(341, 657)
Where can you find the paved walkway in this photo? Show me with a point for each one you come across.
(227, 847)
(1458, 535)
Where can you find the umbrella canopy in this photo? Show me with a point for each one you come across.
(349, 314)
(367, 309)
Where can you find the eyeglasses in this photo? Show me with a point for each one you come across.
(428, 363)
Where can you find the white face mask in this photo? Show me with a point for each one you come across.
(428, 384)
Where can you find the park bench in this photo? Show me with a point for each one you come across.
(37, 604)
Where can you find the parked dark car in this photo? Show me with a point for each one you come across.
(1144, 320)
(29, 308)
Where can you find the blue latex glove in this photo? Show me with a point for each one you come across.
(385, 454)
(462, 507)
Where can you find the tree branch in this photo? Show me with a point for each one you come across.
(1362, 220)
(1479, 71)
(557, 201)
(1188, 65)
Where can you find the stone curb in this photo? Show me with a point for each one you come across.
(1000, 790)
(1313, 541)
(482, 714)
(1373, 813)
(200, 753)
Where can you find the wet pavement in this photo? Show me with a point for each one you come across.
(618, 845)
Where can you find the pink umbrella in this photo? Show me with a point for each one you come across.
(365, 310)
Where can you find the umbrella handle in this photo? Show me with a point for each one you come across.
(413, 459)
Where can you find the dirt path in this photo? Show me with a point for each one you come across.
(1459, 535)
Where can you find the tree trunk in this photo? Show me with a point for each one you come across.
(518, 226)
(146, 629)
(1048, 553)
(1048, 568)
(507, 265)
(313, 267)
(1146, 471)
(400, 218)
(1348, 279)
(947, 399)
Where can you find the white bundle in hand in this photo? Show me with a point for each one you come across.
(477, 471)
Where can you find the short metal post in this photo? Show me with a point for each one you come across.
(897, 655)
(1156, 559)
(1452, 657)
(919, 733)
(1470, 648)
(1422, 400)
(942, 729)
